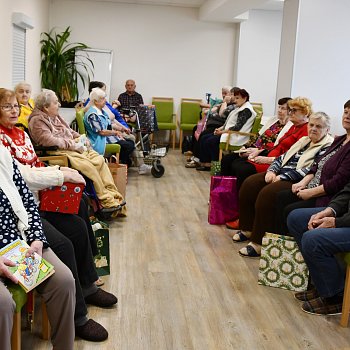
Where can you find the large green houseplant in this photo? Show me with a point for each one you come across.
(63, 64)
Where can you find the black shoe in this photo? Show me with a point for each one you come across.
(91, 331)
(203, 168)
(101, 298)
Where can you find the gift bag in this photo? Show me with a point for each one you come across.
(215, 167)
(61, 199)
(282, 264)
(102, 259)
(120, 175)
(223, 202)
(200, 128)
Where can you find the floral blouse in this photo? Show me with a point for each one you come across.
(8, 220)
(268, 138)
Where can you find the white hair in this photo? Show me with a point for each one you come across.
(22, 83)
(96, 94)
(44, 99)
(226, 88)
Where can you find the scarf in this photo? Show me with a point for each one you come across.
(10, 190)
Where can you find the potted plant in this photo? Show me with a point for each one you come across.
(62, 66)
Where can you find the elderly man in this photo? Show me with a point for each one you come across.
(321, 233)
(130, 98)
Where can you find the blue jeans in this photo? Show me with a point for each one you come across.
(319, 247)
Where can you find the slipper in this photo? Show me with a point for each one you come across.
(99, 282)
(250, 252)
(239, 237)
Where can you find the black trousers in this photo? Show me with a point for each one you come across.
(126, 148)
(64, 249)
(286, 202)
(196, 143)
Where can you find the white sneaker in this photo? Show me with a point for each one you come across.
(145, 169)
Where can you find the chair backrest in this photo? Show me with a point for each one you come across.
(190, 110)
(164, 109)
(258, 108)
(79, 116)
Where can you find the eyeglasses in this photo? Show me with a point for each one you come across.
(8, 107)
(293, 110)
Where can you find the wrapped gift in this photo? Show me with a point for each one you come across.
(223, 202)
(62, 199)
(282, 264)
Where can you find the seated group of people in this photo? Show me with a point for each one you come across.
(65, 240)
(293, 179)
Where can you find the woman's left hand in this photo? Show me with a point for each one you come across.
(35, 247)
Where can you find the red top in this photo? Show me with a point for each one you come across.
(285, 143)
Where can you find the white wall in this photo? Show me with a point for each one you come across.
(258, 56)
(322, 68)
(38, 10)
(167, 50)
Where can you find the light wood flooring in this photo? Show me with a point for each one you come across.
(182, 285)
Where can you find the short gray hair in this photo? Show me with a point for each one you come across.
(226, 88)
(322, 115)
(44, 99)
(96, 94)
(22, 83)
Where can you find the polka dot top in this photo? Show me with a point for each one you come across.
(8, 220)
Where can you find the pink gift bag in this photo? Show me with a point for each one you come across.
(223, 203)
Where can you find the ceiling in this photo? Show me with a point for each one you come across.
(274, 5)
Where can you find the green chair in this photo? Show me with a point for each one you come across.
(20, 298)
(111, 148)
(225, 146)
(190, 112)
(166, 118)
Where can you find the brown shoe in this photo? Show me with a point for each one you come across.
(307, 295)
(101, 298)
(322, 306)
(91, 331)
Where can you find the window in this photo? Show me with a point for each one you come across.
(18, 55)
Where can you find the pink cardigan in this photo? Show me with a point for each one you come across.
(52, 131)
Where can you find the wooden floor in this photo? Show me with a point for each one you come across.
(182, 285)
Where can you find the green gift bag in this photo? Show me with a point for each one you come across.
(215, 168)
(102, 259)
(282, 264)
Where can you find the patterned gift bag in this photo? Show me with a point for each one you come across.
(282, 264)
(102, 259)
(215, 168)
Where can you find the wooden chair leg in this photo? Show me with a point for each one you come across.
(346, 300)
(220, 154)
(180, 141)
(46, 329)
(16, 332)
(174, 136)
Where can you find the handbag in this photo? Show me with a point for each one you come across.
(282, 264)
(200, 127)
(102, 259)
(223, 202)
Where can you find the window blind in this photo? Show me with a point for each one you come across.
(18, 55)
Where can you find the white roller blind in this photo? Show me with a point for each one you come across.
(18, 55)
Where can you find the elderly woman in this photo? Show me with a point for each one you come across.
(257, 196)
(258, 161)
(325, 179)
(214, 116)
(20, 219)
(23, 91)
(322, 233)
(240, 119)
(268, 137)
(47, 128)
(70, 236)
(99, 128)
